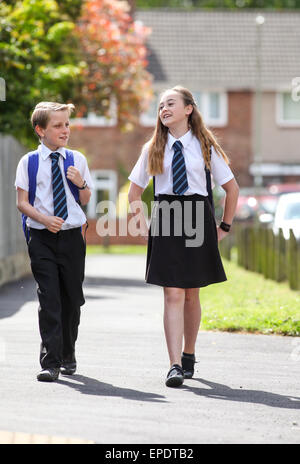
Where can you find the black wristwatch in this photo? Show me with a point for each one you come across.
(84, 186)
(225, 227)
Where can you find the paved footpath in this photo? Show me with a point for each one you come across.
(246, 387)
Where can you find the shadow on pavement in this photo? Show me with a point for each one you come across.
(113, 282)
(15, 294)
(90, 386)
(223, 392)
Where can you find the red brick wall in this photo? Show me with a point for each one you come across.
(93, 238)
(235, 138)
(108, 148)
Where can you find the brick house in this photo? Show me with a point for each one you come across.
(240, 74)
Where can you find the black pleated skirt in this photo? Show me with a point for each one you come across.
(183, 245)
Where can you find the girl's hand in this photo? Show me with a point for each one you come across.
(221, 234)
(74, 176)
(144, 234)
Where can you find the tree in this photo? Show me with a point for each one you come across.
(48, 53)
(113, 45)
(38, 58)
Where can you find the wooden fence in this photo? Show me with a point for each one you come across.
(14, 261)
(260, 250)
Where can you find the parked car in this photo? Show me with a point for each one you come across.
(253, 203)
(259, 204)
(270, 203)
(287, 215)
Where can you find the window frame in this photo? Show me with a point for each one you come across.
(279, 112)
(110, 184)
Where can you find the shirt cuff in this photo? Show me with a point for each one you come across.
(226, 179)
(26, 188)
(137, 182)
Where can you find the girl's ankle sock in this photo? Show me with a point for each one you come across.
(188, 355)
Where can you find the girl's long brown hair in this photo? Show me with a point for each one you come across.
(195, 121)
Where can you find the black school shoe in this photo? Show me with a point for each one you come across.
(68, 368)
(188, 362)
(68, 365)
(48, 375)
(175, 376)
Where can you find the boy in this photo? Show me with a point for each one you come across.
(56, 246)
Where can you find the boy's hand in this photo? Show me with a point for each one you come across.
(74, 176)
(53, 223)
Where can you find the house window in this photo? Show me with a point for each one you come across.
(288, 110)
(105, 189)
(212, 106)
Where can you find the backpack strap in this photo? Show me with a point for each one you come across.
(208, 185)
(155, 198)
(69, 161)
(32, 169)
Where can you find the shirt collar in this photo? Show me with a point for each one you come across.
(185, 139)
(45, 151)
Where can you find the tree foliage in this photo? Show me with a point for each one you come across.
(37, 58)
(114, 47)
(70, 50)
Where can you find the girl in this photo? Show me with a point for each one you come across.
(179, 156)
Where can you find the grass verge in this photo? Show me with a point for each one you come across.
(117, 249)
(249, 302)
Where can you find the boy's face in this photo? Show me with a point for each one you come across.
(57, 132)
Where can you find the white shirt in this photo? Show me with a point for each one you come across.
(44, 192)
(195, 167)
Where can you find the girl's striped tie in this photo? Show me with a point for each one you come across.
(180, 183)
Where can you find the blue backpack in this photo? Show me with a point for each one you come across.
(33, 165)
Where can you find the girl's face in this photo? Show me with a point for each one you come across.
(172, 111)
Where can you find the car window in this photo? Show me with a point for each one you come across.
(269, 205)
(292, 211)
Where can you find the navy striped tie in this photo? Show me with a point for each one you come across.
(180, 183)
(59, 193)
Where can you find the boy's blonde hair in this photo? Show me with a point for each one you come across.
(41, 113)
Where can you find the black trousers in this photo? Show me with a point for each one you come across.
(57, 263)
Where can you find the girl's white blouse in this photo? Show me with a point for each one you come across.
(195, 167)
